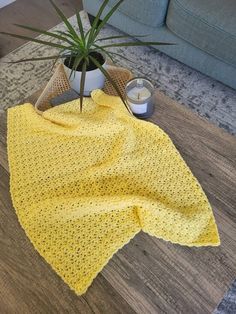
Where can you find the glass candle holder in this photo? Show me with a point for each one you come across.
(139, 95)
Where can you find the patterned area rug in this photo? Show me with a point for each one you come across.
(207, 97)
(228, 303)
(4, 3)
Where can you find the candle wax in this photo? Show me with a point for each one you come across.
(138, 94)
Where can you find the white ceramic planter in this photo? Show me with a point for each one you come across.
(94, 80)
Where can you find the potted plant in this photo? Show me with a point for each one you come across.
(83, 54)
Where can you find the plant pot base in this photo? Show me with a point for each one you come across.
(93, 80)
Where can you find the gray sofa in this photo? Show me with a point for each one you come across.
(204, 31)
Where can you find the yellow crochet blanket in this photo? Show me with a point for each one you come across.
(84, 184)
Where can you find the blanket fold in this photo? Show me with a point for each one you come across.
(84, 184)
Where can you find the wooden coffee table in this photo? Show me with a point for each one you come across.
(148, 275)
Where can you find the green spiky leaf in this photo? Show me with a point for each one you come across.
(120, 37)
(81, 29)
(50, 34)
(105, 52)
(106, 18)
(65, 20)
(121, 56)
(34, 59)
(82, 83)
(96, 21)
(39, 41)
(76, 63)
(135, 44)
(107, 75)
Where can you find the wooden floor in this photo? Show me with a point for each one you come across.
(38, 13)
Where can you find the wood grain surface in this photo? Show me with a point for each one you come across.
(148, 275)
(37, 13)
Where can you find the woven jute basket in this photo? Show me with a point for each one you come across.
(59, 83)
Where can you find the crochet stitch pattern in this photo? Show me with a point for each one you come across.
(84, 184)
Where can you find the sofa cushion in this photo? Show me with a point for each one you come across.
(207, 24)
(149, 12)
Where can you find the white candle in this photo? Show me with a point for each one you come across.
(138, 94)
